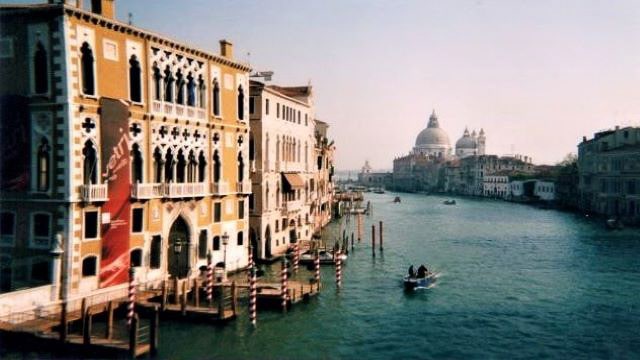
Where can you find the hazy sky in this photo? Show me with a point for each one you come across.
(536, 75)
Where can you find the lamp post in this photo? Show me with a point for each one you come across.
(225, 242)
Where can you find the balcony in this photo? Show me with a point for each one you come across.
(220, 188)
(243, 187)
(171, 109)
(147, 191)
(93, 192)
(290, 207)
(185, 190)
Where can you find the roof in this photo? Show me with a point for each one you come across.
(292, 91)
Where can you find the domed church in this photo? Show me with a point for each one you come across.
(433, 141)
(471, 144)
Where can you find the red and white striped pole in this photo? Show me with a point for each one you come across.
(317, 263)
(284, 284)
(132, 295)
(338, 269)
(253, 293)
(209, 280)
(251, 264)
(296, 257)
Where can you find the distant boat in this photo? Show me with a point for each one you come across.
(449, 202)
(326, 257)
(378, 191)
(413, 283)
(614, 224)
(397, 199)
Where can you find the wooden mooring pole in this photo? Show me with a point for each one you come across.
(86, 328)
(153, 331)
(63, 322)
(109, 329)
(133, 336)
(373, 240)
(381, 237)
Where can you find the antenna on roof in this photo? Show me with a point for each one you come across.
(130, 21)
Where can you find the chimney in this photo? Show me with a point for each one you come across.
(226, 49)
(105, 8)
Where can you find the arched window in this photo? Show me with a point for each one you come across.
(135, 81)
(216, 167)
(240, 167)
(157, 79)
(240, 238)
(168, 85)
(216, 243)
(191, 91)
(266, 198)
(156, 252)
(41, 69)
(182, 163)
(202, 92)
(136, 164)
(216, 98)
(44, 159)
(89, 266)
(202, 245)
(90, 163)
(88, 77)
(192, 166)
(135, 258)
(202, 167)
(179, 88)
(157, 165)
(168, 166)
(240, 103)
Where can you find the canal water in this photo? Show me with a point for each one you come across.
(516, 282)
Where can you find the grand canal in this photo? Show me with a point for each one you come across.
(517, 282)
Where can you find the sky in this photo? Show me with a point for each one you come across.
(536, 75)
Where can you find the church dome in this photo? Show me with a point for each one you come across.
(466, 141)
(433, 134)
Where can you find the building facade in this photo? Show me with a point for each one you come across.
(133, 150)
(609, 174)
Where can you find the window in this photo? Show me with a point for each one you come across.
(240, 238)
(182, 163)
(86, 68)
(216, 243)
(202, 245)
(41, 70)
(240, 103)
(41, 230)
(202, 167)
(216, 167)
(252, 105)
(216, 98)
(136, 164)
(241, 209)
(156, 252)
(306, 119)
(266, 106)
(277, 110)
(240, 167)
(168, 166)
(191, 168)
(217, 212)
(7, 228)
(191, 91)
(135, 81)
(89, 266)
(168, 85)
(252, 204)
(135, 258)
(299, 117)
(157, 165)
(90, 224)
(44, 160)
(137, 220)
(90, 163)
(157, 83)
(179, 88)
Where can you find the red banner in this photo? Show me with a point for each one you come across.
(114, 137)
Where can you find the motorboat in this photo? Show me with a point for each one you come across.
(326, 257)
(397, 199)
(378, 191)
(449, 202)
(413, 282)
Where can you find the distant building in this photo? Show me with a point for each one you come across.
(496, 186)
(368, 178)
(609, 174)
(544, 190)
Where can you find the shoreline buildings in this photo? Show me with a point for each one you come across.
(122, 148)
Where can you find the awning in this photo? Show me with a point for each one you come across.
(294, 180)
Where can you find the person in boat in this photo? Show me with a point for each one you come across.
(412, 272)
(422, 271)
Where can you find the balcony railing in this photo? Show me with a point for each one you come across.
(219, 188)
(289, 207)
(93, 192)
(243, 187)
(181, 190)
(147, 191)
(168, 108)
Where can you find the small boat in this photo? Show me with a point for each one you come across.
(412, 283)
(614, 224)
(449, 202)
(326, 257)
(397, 199)
(378, 191)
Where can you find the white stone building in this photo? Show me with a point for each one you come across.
(496, 186)
(544, 190)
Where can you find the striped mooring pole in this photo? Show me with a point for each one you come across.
(284, 284)
(253, 293)
(132, 295)
(209, 279)
(338, 269)
(317, 264)
(251, 264)
(296, 257)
